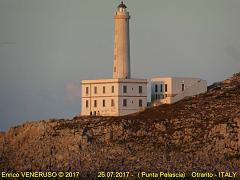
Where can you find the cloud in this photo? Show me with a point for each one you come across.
(6, 44)
(73, 92)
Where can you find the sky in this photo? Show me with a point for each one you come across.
(48, 46)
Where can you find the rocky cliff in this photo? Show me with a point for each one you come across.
(198, 133)
(1, 140)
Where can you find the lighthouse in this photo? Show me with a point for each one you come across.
(121, 67)
(122, 94)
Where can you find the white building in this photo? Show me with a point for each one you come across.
(113, 97)
(168, 90)
(121, 95)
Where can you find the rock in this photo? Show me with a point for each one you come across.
(2, 134)
(200, 133)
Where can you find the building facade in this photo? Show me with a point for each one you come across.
(168, 90)
(113, 97)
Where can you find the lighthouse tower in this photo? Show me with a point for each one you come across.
(122, 94)
(121, 67)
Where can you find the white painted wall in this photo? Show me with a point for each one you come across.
(133, 96)
(193, 86)
(193, 89)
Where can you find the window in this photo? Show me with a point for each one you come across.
(112, 102)
(140, 89)
(124, 89)
(112, 89)
(124, 102)
(115, 69)
(104, 89)
(161, 88)
(86, 103)
(87, 90)
(183, 87)
(95, 103)
(95, 90)
(165, 87)
(156, 88)
(140, 102)
(103, 103)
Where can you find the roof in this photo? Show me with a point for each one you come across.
(101, 81)
(122, 5)
(172, 77)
